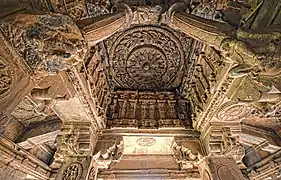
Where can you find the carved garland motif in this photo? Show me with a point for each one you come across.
(6, 78)
(73, 172)
(146, 58)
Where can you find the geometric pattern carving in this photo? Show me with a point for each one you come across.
(146, 58)
(233, 112)
(73, 172)
(6, 78)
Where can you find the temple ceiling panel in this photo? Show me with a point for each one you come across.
(147, 58)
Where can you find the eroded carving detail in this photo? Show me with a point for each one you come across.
(6, 78)
(50, 42)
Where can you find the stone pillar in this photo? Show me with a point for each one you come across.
(220, 168)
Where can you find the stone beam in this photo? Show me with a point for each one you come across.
(204, 30)
(16, 157)
(99, 28)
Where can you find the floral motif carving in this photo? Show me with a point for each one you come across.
(73, 172)
(147, 15)
(146, 142)
(6, 78)
(146, 58)
(234, 112)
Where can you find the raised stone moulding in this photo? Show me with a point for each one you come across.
(6, 78)
(233, 112)
(73, 171)
(146, 58)
(146, 142)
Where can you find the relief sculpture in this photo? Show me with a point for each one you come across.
(6, 78)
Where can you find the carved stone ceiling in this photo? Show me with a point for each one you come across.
(147, 57)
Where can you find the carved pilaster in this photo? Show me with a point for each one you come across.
(76, 144)
(219, 140)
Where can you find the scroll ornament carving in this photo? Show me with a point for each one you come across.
(47, 42)
(92, 174)
(73, 172)
(146, 58)
(232, 147)
(6, 78)
(71, 142)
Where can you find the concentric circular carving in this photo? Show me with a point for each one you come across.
(146, 58)
(233, 112)
(146, 142)
(6, 78)
(225, 172)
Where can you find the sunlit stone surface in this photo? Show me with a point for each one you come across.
(97, 90)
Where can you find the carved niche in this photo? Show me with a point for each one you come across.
(147, 58)
(6, 78)
(47, 42)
